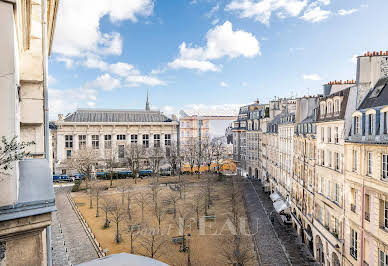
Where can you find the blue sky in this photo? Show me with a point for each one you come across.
(205, 55)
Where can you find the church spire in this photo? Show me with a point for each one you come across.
(147, 103)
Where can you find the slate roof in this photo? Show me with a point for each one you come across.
(112, 115)
(378, 96)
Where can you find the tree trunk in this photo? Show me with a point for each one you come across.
(117, 232)
(90, 202)
(197, 211)
(111, 177)
(97, 213)
(142, 214)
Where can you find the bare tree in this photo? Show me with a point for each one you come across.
(155, 155)
(141, 200)
(159, 213)
(183, 221)
(123, 187)
(153, 243)
(83, 161)
(207, 152)
(219, 152)
(191, 154)
(111, 161)
(197, 204)
(236, 248)
(96, 189)
(174, 158)
(155, 189)
(133, 234)
(117, 213)
(106, 208)
(173, 197)
(135, 155)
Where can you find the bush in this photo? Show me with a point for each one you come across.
(76, 186)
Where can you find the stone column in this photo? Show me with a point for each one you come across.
(60, 147)
(88, 140)
(75, 142)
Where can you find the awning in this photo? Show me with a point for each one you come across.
(281, 205)
(274, 196)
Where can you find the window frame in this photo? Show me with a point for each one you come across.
(95, 142)
(68, 141)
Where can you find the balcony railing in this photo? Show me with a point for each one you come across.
(353, 208)
(353, 252)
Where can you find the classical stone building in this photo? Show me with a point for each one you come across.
(26, 191)
(107, 129)
(366, 167)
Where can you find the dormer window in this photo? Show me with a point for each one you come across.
(371, 125)
(329, 107)
(357, 125)
(323, 109)
(337, 106)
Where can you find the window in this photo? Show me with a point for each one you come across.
(353, 243)
(369, 164)
(69, 141)
(336, 139)
(329, 107)
(108, 141)
(337, 106)
(337, 193)
(120, 137)
(356, 125)
(157, 140)
(322, 134)
(383, 258)
(384, 166)
(95, 141)
(367, 207)
(322, 157)
(182, 124)
(355, 161)
(323, 109)
(330, 159)
(146, 142)
(329, 188)
(133, 138)
(167, 139)
(68, 154)
(385, 122)
(322, 185)
(82, 141)
(121, 151)
(371, 124)
(329, 134)
(336, 161)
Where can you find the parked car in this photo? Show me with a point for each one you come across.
(146, 172)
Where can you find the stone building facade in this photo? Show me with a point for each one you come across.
(26, 191)
(108, 129)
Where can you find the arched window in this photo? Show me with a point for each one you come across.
(323, 109)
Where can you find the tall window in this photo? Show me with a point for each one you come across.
(157, 140)
(329, 107)
(121, 151)
(322, 184)
(69, 141)
(329, 188)
(337, 106)
(322, 157)
(383, 258)
(322, 134)
(68, 154)
(385, 122)
(133, 138)
(121, 137)
(330, 154)
(323, 109)
(95, 141)
(384, 166)
(385, 214)
(82, 141)
(356, 124)
(353, 243)
(336, 139)
(337, 193)
(369, 164)
(355, 161)
(329, 134)
(146, 141)
(108, 141)
(336, 161)
(371, 124)
(167, 139)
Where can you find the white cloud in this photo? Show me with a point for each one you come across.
(66, 101)
(193, 64)
(261, 11)
(93, 61)
(78, 25)
(222, 41)
(324, 2)
(315, 14)
(51, 80)
(354, 58)
(344, 12)
(311, 77)
(215, 21)
(213, 10)
(224, 84)
(216, 109)
(91, 104)
(69, 63)
(123, 69)
(137, 80)
(105, 82)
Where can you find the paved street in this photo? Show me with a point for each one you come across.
(70, 242)
(276, 244)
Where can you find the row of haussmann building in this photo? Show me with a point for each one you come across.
(324, 162)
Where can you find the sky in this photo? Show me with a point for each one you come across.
(205, 55)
